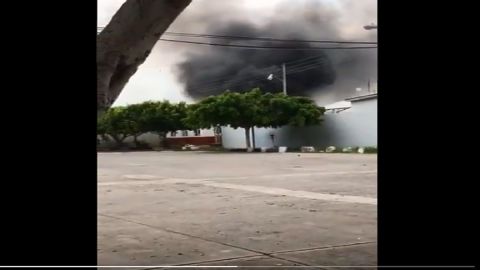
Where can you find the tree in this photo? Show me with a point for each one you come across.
(252, 108)
(126, 42)
(163, 117)
(178, 115)
(281, 110)
(136, 116)
(234, 109)
(117, 124)
(101, 130)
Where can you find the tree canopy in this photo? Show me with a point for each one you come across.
(253, 108)
(238, 110)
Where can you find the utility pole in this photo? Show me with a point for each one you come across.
(284, 79)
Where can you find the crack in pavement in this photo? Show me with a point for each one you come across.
(272, 254)
(201, 238)
(261, 253)
(322, 248)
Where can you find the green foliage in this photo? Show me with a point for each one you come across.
(253, 108)
(117, 123)
(238, 110)
(134, 120)
(281, 110)
(162, 117)
(229, 108)
(370, 150)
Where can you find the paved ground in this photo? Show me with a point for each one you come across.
(248, 209)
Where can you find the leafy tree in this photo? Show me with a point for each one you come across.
(234, 109)
(117, 124)
(238, 110)
(249, 109)
(163, 117)
(101, 130)
(136, 118)
(281, 110)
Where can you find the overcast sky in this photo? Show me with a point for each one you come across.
(156, 79)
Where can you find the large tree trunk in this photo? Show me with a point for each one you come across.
(247, 137)
(126, 42)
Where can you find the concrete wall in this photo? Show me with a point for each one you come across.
(356, 126)
(235, 138)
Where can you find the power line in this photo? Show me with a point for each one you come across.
(295, 66)
(222, 79)
(263, 38)
(273, 47)
(304, 69)
(268, 39)
(290, 64)
(303, 59)
(230, 85)
(269, 47)
(230, 80)
(300, 64)
(304, 64)
(216, 86)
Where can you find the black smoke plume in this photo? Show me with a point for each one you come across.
(212, 70)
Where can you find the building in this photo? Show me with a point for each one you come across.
(351, 122)
(195, 137)
(175, 139)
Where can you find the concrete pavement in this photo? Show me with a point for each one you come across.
(248, 209)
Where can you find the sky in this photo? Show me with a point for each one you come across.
(156, 79)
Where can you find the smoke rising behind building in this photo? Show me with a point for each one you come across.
(335, 73)
(173, 66)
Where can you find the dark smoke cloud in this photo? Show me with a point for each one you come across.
(211, 70)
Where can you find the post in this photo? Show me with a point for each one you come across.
(284, 79)
(253, 138)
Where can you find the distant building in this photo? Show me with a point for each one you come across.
(196, 137)
(210, 136)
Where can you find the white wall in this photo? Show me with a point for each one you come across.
(356, 126)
